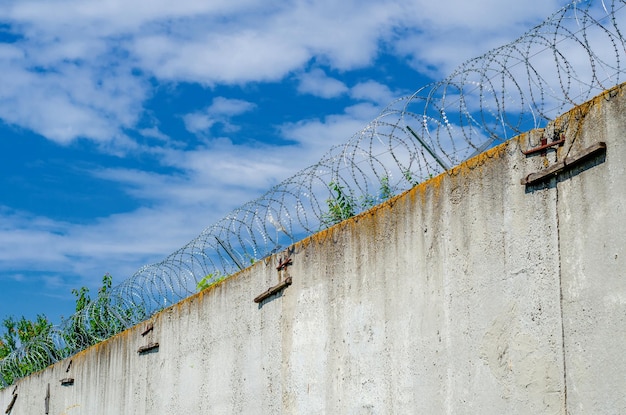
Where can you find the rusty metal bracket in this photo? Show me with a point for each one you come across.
(557, 141)
(284, 263)
(147, 348)
(10, 407)
(569, 162)
(148, 329)
(273, 290)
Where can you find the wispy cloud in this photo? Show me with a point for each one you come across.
(69, 100)
(220, 111)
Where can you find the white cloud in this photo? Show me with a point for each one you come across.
(321, 134)
(229, 107)
(242, 48)
(220, 111)
(112, 17)
(198, 122)
(374, 92)
(70, 101)
(154, 132)
(114, 244)
(317, 83)
(228, 58)
(10, 53)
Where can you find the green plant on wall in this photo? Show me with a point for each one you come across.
(341, 206)
(97, 319)
(386, 191)
(408, 176)
(20, 333)
(209, 280)
(29, 347)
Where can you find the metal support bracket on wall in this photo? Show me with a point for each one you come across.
(10, 407)
(558, 140)
(284, 283)
(152, 346)
(568, 163)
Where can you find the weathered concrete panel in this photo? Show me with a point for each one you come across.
(592, 230)
(468, 294)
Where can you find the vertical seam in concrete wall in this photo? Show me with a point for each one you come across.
(559, 273)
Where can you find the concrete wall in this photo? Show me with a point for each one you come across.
(469, 294)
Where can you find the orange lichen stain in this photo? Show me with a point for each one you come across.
(325, 234)
(573, 119)
(332, 233)
(201, 294)
(83, 354)
(477, 162)
(433, 186)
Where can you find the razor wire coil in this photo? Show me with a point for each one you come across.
(572, 56)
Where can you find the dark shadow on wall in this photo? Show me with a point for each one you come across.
(270, 299)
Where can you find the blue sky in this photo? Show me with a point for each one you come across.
(127, 127)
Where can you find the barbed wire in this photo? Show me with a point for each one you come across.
(572, 56)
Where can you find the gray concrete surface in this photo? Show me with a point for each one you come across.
(469, 294)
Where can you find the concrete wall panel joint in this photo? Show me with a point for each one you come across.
(47, 400)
